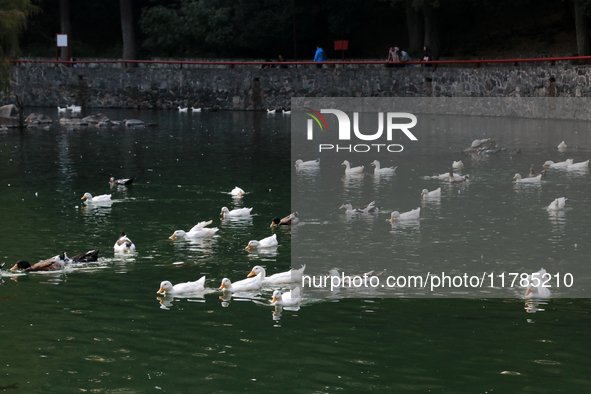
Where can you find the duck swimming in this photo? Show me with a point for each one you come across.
(557, 204)
(290, 276)
(369, 208)
(123, 244)
(539, 291)
(289, 220)
(426, 194)
(268, 242)
(125, 181)
(457, 165)
(455, 178)
(533, 174)
(410, 215)
(289, 298)
(54, 263)
(198, 231)
(87, 257)
(536, 179)
(307, 164)
(385, 170)
(235, 212)
(188, 287)
(562, 164)
(243, 285)
(101, 198)
(351, 170)
(237, 191)
(578, 166)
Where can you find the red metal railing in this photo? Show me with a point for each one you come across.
(477, 62)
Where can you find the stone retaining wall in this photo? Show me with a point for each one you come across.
(252, 89)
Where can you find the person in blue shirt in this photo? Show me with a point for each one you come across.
(319, 57)
(404, 57)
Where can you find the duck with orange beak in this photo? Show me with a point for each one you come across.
(198, 231)
(102, 198)
(237, 192)
(239, 212)
(188, 287)
(290, 298)
(268, 242)
(291, 276)
(243, 285)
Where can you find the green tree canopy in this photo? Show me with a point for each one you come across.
(13, 20)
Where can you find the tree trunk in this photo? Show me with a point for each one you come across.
(431, 31)
(414, 26)
(128, 32)
(583, 43)
(65, 27)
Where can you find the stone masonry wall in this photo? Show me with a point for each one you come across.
(250, 89)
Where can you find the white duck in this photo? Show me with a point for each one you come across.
(426, 194)
(446, 176)
(410, 215)
(60, 109)
(193, 109)
(578, 166)
(351, 170)
(290, 298)
(237, 191)
(101, 198)
(198, 231)
(519, 179)
(243, 285)
(385, 170)
(235, 212)
(457, 165)
(562, 164)
(369, 208)
(286, 112)
(74, 108)
(185, 109)
(561, 146)
(187, 287)
(557, 204)
(268, 242)
(290, 276)
(540, 291)
(271, 111)
(307, 164)
(123, 244)
(455, 178)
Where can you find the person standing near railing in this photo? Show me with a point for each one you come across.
(281, 60)
(392, 56)
(404, 57)
(426, 55)
(319, 56)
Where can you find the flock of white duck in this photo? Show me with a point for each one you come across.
(257, 278)
(254, 281)
(556, 205)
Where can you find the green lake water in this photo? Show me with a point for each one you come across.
(102, 328)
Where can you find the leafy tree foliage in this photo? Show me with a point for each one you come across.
(13, 20)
